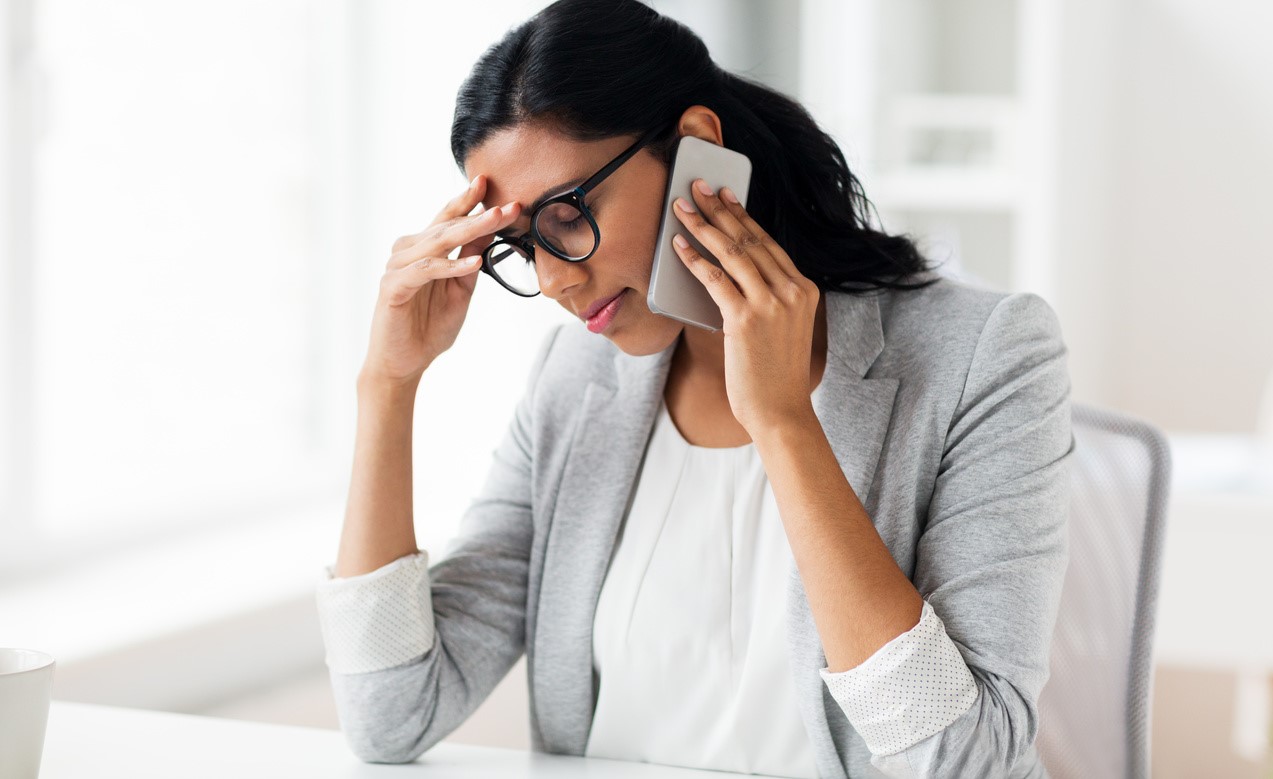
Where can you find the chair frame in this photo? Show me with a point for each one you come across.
(1140, 672)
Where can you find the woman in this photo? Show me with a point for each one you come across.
(829, 537)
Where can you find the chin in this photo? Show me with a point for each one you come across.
(648, 337)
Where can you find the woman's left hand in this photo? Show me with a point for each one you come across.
(767, 305)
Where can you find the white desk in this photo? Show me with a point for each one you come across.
(107, 742)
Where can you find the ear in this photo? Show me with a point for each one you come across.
(701, 122)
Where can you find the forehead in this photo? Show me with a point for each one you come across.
(522, 162)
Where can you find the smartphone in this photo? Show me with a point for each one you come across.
(675, 291)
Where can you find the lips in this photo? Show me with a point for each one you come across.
(600, 321)
(597, 306)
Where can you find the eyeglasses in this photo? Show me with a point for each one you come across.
(563, 225)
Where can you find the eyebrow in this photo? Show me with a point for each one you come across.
(547, 193)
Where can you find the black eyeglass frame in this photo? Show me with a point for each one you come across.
(574, 198)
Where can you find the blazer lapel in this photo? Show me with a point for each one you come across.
(598, 482)
(854, 412)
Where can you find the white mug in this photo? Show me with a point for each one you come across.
(26, 687)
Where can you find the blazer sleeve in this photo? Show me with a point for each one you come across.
(466, 614)
(992, 557)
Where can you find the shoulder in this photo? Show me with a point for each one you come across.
(952, 319)
(957, 310)
(940, 339)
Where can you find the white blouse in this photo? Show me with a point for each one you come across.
(689, 636)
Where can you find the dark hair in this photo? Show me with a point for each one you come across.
(603, 68)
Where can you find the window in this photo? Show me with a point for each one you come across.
(178, 289)
(200, 202)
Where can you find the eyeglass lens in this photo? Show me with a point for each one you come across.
(568, 231)
(514, 268)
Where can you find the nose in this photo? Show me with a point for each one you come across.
(558, 276)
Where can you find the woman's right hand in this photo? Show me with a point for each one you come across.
(424, 296)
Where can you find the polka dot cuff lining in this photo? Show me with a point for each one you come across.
(912, 687)
(379, 619)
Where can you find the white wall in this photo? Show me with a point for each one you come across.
(1167, 259)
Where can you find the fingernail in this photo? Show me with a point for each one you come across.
(701, 186)
(680, 242)
(684, 205)
(473, 183)
(728, 194)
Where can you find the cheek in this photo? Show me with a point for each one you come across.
(635, 237)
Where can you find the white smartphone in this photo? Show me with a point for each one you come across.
(675, 291)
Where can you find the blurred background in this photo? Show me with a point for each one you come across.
(199, 199)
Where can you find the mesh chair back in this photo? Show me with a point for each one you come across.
(1094, 709)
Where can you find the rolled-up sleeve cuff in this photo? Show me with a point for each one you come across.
(379, 619)
(912, 687)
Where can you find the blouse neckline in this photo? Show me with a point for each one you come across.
(665, 417)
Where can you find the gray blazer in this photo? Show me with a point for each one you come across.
(948, 410)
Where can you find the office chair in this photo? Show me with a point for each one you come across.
(1095, 707)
